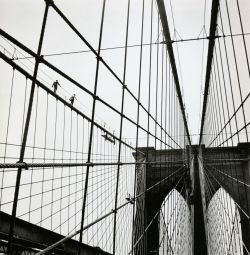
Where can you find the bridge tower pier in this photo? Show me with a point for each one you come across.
(229, 168)
(166, 176)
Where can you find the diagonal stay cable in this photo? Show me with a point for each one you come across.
(229, 176)
(166, 32)
(17, 67)
(213, 23)
(232, 116)
(108, 214)
(219, 183)
(154, 217)
(21, 70)
(100, 58)
(42, 60)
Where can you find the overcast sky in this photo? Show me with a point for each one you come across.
(22, 19)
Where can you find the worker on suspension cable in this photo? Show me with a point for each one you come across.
(72, 99)
(55, 85)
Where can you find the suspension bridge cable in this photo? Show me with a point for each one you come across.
(84, 88)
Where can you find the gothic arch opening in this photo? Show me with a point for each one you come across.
(224, 234)
(175, 225)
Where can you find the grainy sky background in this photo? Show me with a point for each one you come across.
(22, 19)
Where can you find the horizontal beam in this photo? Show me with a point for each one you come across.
(52, 164)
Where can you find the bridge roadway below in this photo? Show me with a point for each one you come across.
(30, 238)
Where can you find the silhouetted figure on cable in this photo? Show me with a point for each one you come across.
(55, 85)
(72, 99)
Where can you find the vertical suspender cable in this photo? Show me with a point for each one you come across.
(92, 123)
(121, 125)
(25, 134)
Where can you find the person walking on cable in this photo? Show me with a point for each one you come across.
(55, 85)
(72, 99)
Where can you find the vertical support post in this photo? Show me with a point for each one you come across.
(98, 59)
(121, 129)
(139, 217)
(138, 116)
(26, 129)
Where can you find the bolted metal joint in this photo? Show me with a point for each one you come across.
(96, 97)
(90, 164)
(114, 211)
(24, 163)
(49, 2)
(98, 57)
(39, 59)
